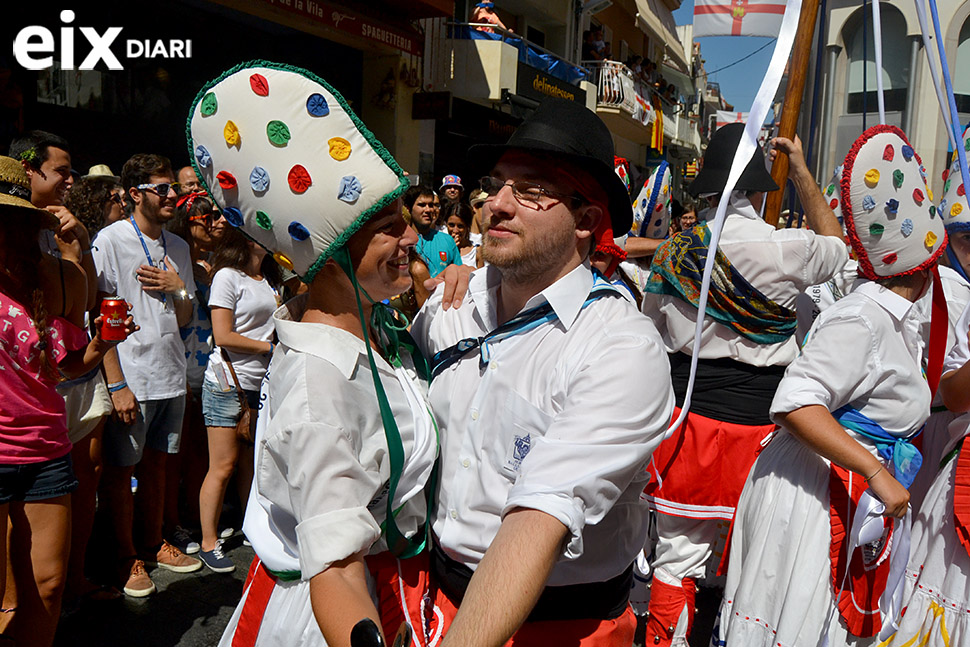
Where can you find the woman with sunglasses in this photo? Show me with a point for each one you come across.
(242, 298)
(200, 224)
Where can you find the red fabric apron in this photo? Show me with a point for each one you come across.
(858, 592)
(260, 584)
(961, 496)
(257, 590)
(703, 467)
(575, 633)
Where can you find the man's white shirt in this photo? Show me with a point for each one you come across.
(563, 419)
(152, 359)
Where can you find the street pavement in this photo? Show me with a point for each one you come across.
(193, 609)
(188, 610)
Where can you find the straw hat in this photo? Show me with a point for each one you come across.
(102, 170)
(890, 219)
(478, 198)
(15, 192)
(288, 162)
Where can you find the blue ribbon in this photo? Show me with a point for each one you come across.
(905, 458)
(523, 322)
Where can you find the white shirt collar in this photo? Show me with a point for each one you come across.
(339, 347)
(891, 302)
(739, 205)
(566, 296)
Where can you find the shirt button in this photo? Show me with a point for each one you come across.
(453, 513)
(493, 366)
(474, 414)
(465, 463)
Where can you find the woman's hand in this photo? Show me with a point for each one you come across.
(71, 236)
(892, 494)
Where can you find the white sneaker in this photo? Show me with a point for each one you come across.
(182, 540)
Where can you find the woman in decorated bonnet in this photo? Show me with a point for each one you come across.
(847, 407)
(937, 596)
(346, 442)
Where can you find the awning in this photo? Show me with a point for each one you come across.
(656, 20)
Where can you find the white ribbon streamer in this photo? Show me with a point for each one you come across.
(756, 117)
(927, 35)
(877, 41)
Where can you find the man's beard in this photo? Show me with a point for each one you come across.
(532, 256)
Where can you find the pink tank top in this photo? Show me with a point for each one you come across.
(33, 423)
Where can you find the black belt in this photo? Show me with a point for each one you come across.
(594, 600)
(727, 390)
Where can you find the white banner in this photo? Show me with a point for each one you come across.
(737, 17)
(724, 118)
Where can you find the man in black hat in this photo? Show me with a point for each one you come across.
(747, 341)
(545, 440)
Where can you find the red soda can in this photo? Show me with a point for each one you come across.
(114, 311)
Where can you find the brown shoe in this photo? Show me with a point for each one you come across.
(171, 558)
(139, 584)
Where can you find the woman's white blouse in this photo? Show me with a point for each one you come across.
(322, 465)
(864, 350)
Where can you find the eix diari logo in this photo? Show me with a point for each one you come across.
(35, 45)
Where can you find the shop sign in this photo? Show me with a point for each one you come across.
(536, 84)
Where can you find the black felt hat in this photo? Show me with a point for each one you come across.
(717, 165)
(574, 134)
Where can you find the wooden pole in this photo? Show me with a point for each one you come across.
(797, 73)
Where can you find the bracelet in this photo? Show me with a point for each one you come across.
(87, 251)
(868, 478)
(272, 347)
(114, 387)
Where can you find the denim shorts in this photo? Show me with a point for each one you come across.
(158, 425)
(37, 481)
(221, 408)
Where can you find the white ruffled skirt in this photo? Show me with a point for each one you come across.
(779, 579)
(938, 606)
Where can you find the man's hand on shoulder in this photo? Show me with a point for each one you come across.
(455, 279)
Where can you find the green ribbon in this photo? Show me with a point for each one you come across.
(395, 337)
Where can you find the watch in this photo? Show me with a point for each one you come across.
(183, 294)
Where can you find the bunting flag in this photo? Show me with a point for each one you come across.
(737, 17)
(724, 118)
(657, 136)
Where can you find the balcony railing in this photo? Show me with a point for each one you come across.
(616, 87)
(529, 53)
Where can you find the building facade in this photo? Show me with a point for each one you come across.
(480, 81)
(847, 101)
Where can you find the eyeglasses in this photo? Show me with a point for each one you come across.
(160, 189)
(208, 217)
(117, 199)
(528, 194)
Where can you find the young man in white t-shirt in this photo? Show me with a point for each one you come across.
(152, 270)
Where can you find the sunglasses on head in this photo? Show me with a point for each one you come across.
(159, 188)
